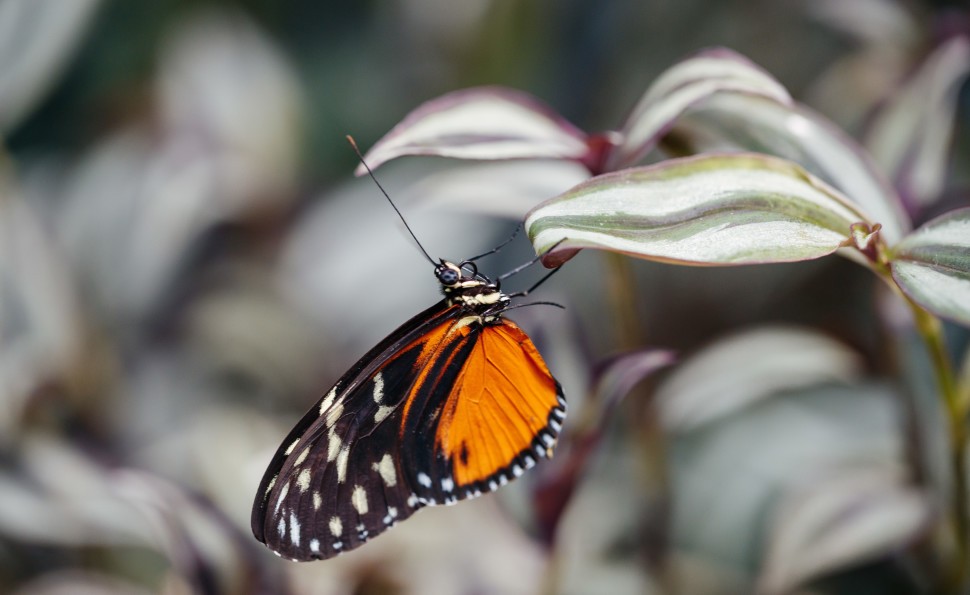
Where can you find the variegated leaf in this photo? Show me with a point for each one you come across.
(722, 209)
(932, 265)
(683, 85)
(751, 123)
(481, 123)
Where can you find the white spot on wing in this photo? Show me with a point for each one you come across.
(447, 484)
(328, 400)
(303, 480)
(333, 445)
(424, 480)
(279, 499)
(281, 527)
(378, 387)
(334, 414)
(342, 464)
(290, 448)
(555, 425)
(517, 471)
(303, 455)
(315, 546)
(359, 500)
(386, 469)
(269, 487)
(294, 529)
(336, 526)
(317, 500)
(382, 412)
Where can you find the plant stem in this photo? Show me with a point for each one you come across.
(622, 295)
(931, 331)
(956, 408)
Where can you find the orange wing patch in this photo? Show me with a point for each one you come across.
(499, 404)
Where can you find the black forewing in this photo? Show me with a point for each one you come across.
(353, 393)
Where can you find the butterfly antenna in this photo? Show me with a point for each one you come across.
(353, 144)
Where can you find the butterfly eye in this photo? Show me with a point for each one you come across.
(447, 275)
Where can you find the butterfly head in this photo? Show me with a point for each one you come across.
(448, 273)
(462, 284)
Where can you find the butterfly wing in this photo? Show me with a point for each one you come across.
(445, 408)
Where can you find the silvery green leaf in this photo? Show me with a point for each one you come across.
(932, 265)
(752, 123)
(481, 123)
(707, 73)
(843, 518)
(747, 367)
(721, 209)
(910, 137)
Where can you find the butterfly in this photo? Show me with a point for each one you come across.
(453, 404)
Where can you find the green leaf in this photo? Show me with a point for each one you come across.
(679, 87)
(932, 265)
(724, 209)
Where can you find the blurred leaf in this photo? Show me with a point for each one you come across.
(79, 582)
(224, 84)
(877, 22)
(727, 474)
(40, 324)
(840, 519)
(910, 137)
(562, 475)
(503, 189)
(679, 87)
(472, 548)
(37, 39)
(480, 123)
(747, 367)
(597, 548)
(708, 210)
(63, 498)
(319, 277)
(130, 219)
(138, 202)
(932, 265)
(794, 132)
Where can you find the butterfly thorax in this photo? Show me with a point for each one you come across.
(464, 286)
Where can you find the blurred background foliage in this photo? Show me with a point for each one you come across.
(185, 263)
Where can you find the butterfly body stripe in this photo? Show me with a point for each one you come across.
(453, 404)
